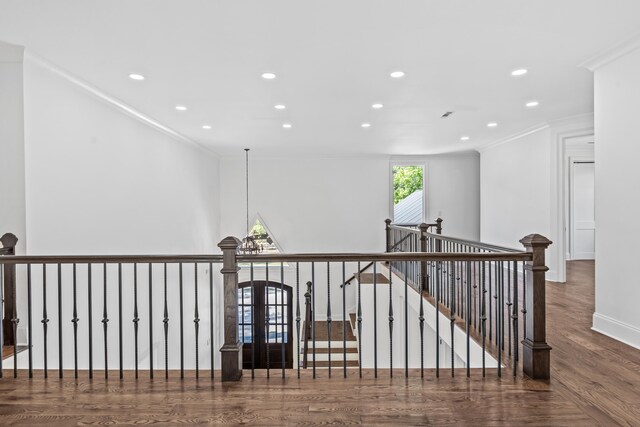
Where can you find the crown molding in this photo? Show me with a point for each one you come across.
(11, 54)
(114, 102)
(614, 52)
(513, 137)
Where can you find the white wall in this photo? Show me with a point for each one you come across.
(101, 182)
(12, 184)
(617, 105)
(515, 188)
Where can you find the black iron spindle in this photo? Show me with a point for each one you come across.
(211, 346)
(267, 317)
(329, 316)
(165, 323)
(437, 304)
(120, 346)
(136, 319)
(298, 315)
(344, 323)
(452, 317)
(89, 319)
(196, 318)
(406, 324)
(313, 314)
(468, 320)
(359, 321)
(375, 323)
(390, 325)
(181, 288)
(75, 324)
(254, 319)
(283, 320)
(105, 321)
(29, 322)
(483, 319)
(151, 319)
(45, 321)
(514, 317)
(421, 320)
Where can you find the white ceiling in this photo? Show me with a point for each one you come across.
(332, 59)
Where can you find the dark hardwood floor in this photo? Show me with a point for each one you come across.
(595, 381)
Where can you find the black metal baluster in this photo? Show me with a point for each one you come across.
(391, 325)
(468, 318)
(105, 320)
(75, 324)
(483, 319)
(421, 320)
(181, 322)
(406, 324)
(90, 318)
(313, 314)
(151, 318)
(329, 316)
(375, 323)
(211, 316)
(135, 318)
(344, 323)
(524, 301)
(509, 304)
(196, 318)
(490, 305)
(165, 322)
(359, 321)
(437, 304)
(452, 317)
(514, 317)
(283, 320)
(254, 319)
(499, 330)
(120, 345)
(29, 323)
(267, 319)
(44, 321)
(297, 315)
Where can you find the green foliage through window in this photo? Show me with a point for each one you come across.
(406, 180)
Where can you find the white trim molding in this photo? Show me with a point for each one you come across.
(114, 102)
(614, 52)
(513, 137)
(616, 329)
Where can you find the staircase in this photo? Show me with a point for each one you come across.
(334, 346)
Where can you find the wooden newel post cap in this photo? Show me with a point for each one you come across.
(535, 241)
(9, 240)
(423, 227)
(387, 221)
(229, 243)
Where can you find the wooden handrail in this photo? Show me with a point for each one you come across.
(100, 259)
(389, 257)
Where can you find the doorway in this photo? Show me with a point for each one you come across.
(582, 226)
(264, 321)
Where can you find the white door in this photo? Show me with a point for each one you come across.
(583, 225)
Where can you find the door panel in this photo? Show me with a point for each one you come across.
(583, 225)
(264, 319)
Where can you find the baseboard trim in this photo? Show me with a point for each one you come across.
(620, 331)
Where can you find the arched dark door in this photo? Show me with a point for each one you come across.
(264, 322)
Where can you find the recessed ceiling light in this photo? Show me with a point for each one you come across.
(279, 107)
(287, 125)
(519, 72)
(532, 104)
(134, 76)
(366, 125)
(397, 74)
(464, 138)
(377, 106)
(268, 76)
(181, 108)
(207, 127)
(492, 124)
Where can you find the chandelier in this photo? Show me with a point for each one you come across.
(249, 245)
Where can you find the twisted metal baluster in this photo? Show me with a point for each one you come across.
(298, 314)
(329, 315)
(45, 320)
(136, 319)
(196, 318)
(165, 322)
(105, 321)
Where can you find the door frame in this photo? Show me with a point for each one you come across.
(571, 220)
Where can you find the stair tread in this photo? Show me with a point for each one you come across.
(367, 278)
(321, 331)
